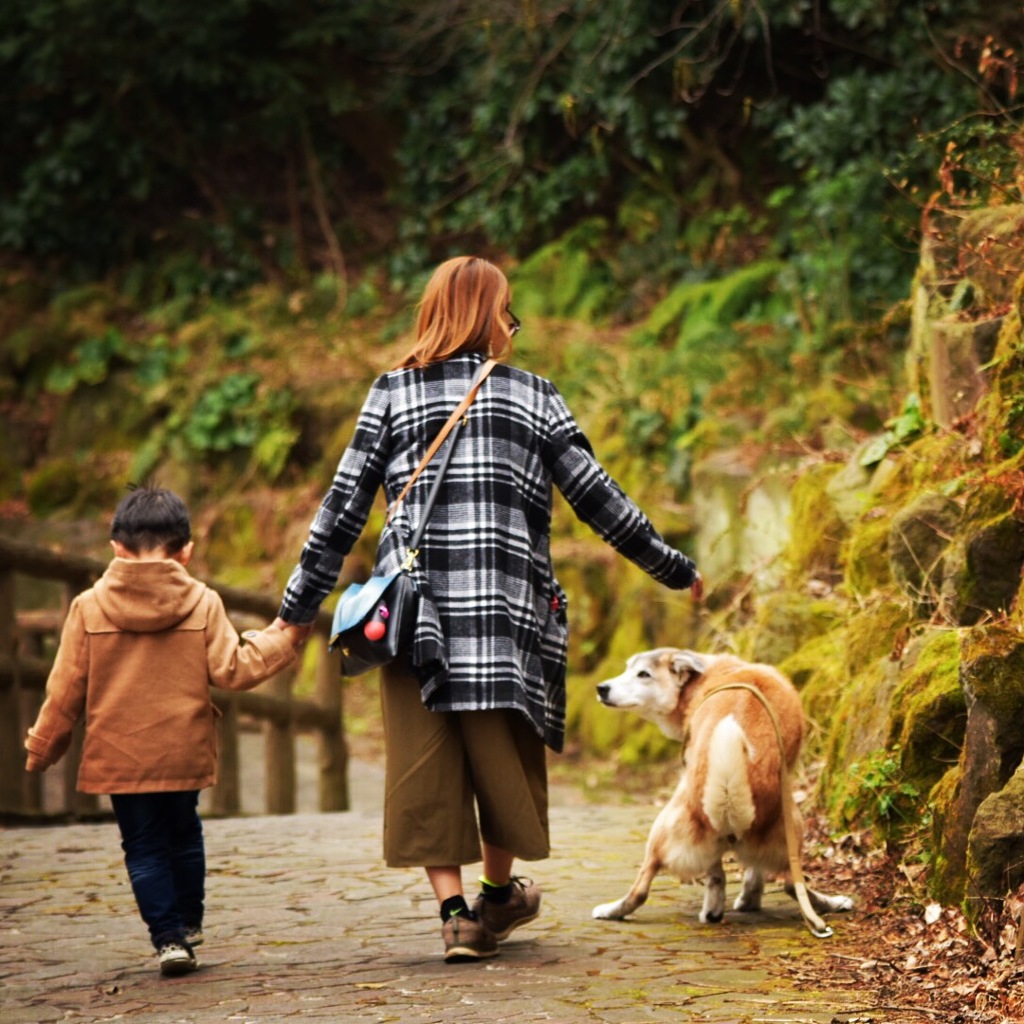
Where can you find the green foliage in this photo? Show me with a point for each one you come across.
(126, 118)
(229, 143)
(881, 798)
(567, 277)
(909, 424)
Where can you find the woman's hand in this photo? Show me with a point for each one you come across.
(297, 635)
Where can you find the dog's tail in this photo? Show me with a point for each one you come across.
(727, 799)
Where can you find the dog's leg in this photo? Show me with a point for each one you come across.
(636, 897)
(749, 898)
(822, 903)
(714, 894)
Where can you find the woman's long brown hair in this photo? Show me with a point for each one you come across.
(463, 309)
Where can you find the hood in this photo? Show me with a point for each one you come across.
(145, 597)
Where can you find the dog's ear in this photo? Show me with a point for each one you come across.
(687, 666)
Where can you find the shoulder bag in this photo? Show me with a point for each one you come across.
(374, 621)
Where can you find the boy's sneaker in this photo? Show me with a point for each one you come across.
(176, 958)
(194, 936)
(521, 907)
(466, 939)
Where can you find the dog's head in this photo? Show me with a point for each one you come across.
(653, 686)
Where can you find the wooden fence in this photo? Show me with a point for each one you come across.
(28, 639)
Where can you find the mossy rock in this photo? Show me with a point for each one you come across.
(232, 531)
(995, 848)
(928, 711)
(992, 680)
(983, 570)
(817, 530)
(865, 557)
(926, 465)
(1001, 410)
(854, 488)
(918, 539)
(783, 623)
(106, 417)
(818, 671)
(948, 843)
(857, 730)
(872, 632)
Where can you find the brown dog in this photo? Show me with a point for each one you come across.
(728, 796)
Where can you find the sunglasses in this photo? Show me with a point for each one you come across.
(515, 325)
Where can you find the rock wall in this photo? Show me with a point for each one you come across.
(890, 588)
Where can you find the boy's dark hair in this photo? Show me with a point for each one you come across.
(151, 518)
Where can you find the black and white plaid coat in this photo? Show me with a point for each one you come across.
(495, 633)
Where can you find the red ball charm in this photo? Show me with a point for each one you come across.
(374, 630)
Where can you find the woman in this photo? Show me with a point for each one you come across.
(468, 714)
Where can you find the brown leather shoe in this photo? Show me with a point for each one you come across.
(520, 908)
(466, 939)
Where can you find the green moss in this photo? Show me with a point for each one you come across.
(818, 671)
(1002, 409)
(995, 657)
(984, 567)
(783, 623)
(818, 530)
(862, 699)
(920, 534)
(865, 557)
(947, 878)
(872, 632)
(928, 711)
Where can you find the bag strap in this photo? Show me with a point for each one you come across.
(458, 415)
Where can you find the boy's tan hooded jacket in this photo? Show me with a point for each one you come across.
(138, 654)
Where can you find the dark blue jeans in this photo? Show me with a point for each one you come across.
(162, 839)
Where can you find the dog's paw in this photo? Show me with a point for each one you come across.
(841, 904)
(710, 916)
(747, 904)
(609, 911)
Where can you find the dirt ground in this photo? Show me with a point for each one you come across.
(908, 953)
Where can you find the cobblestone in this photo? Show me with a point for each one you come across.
(304, 923)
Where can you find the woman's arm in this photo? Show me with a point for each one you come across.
(343, 511)
(602, 504)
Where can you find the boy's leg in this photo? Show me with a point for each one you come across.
(142, 819)
(188, 857)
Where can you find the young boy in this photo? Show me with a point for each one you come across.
(137, 657)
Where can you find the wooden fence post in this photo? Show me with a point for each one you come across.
(227, 794)
(333, 749)
(29, 703)
(80, 804)
(279, 746)
(12, 753)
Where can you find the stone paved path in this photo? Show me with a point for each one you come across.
(305, 924)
